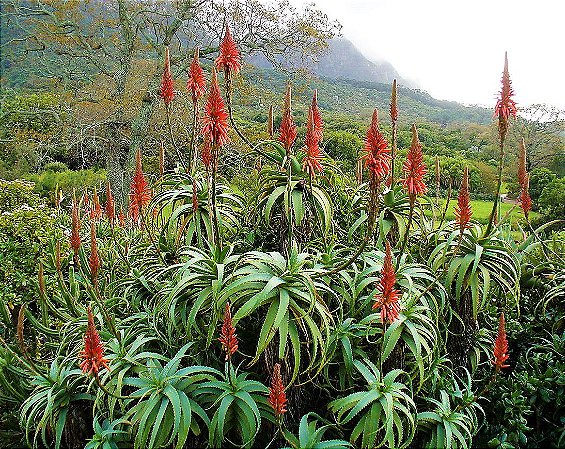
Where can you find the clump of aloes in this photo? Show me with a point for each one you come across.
(387, 297)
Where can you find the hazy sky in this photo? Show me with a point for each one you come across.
(454, 49)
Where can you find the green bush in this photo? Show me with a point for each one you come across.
(539, 179)
(46, 182)
(15, 194)
(552, 199)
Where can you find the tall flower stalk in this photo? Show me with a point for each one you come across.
(196, 86)
(215, 131)
(504, 109)
(463, 211)
(394, 120)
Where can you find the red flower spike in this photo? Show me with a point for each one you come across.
(229, 59)
(500, 351)
(393, 103)
(228, 338)
(167, 83)
(194, 197)
(311, 162)
(93, 353)
(524, 198)
(505, 106)
(196, 83)
(287, 130)
(317, 117)
(140, 193)
(110, 208)
(522, 163)
(94, 259)
(414, 168)
(387, 295)
(96, 211)
(215, 116)
(75, 228)
(377, 155)
(121, 219)
(463, 211)
(277, 396)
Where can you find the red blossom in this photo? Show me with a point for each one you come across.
(500, 351)
(377, 155)
(228, 337)
(463, 211)
(167, 83)
(277, 396)
(505, 106)
(196, 83)
(75, 228)
(522, 163)
(140, 193)
(524, 198)
(215, 116)
(414, 168)
(110, 208)
(93, 353)
(387, 295)
(94, 259)
(317, 117)
(229, 59)
(311, 162)
(393, 103)
(287, 130)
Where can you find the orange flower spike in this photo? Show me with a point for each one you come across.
(229, 58)
(522, 163)
(414, 168)
(96, 211)
(500, 350)
(311, 162)
(215, 121)
(140, 193)
(387, 295)
(277, 396)
(505, 106)
(228, 337)
(121, 219)
(75, 228)
(377, 155)
(167, 83)
(94, 259)
(287, 130)
(110, 207)
(463, 211)
(524, 198)
(93, 353)
(317, 118)
(196, 83)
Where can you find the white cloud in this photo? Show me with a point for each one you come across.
(455, 49)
